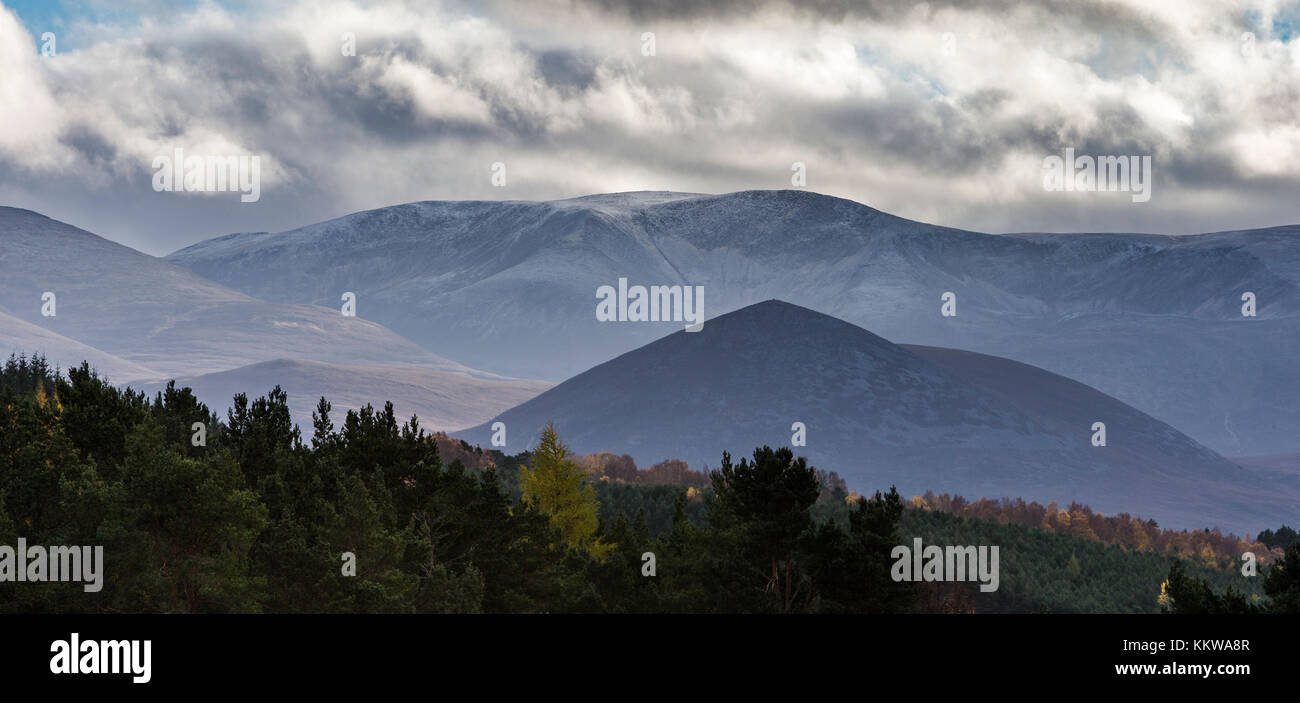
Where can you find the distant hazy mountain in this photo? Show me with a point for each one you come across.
(19, 337)
(443, 401)
(510, 287)
(161, 319)
(881, 414)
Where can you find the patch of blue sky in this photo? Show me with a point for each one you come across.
(67, 18)
(903, 72)
(1286, 22)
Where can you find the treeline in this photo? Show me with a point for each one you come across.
(641, 495)
(1040, 571)
(1281, 539)
(246, 514)
(1209, 547)
(375, 515)
(622, 468)
(1185, 593)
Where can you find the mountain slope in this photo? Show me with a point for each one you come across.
(510, 286)
(18, 337)
(441, 400)
(155, 314)
(881, 414)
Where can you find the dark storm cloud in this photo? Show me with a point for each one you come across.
(93, 147)
(566, 69)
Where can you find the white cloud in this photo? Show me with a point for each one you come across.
(30, 116)
(563, 95)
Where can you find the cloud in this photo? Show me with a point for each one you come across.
(30, 117)
(940, 112)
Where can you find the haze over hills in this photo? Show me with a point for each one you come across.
(23, 338)
(139, 320)
(441, 400)
(882, 414)
(162, 318)
(1154, 321)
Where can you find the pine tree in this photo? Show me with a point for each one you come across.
(759, 512)
(555, 486)
(1282, 582)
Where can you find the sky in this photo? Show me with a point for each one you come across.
(942, 112)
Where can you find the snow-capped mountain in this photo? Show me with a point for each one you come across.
(1155, 321)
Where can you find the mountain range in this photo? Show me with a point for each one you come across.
(457, 303)
(140, 320)
(1155, 321)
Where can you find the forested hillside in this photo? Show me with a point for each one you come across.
(248, 513)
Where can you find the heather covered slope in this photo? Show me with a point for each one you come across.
(881, 414)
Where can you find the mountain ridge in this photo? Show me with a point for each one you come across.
(1149, 319)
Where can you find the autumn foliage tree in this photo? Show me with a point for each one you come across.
(1211, 548)
(555, 485)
